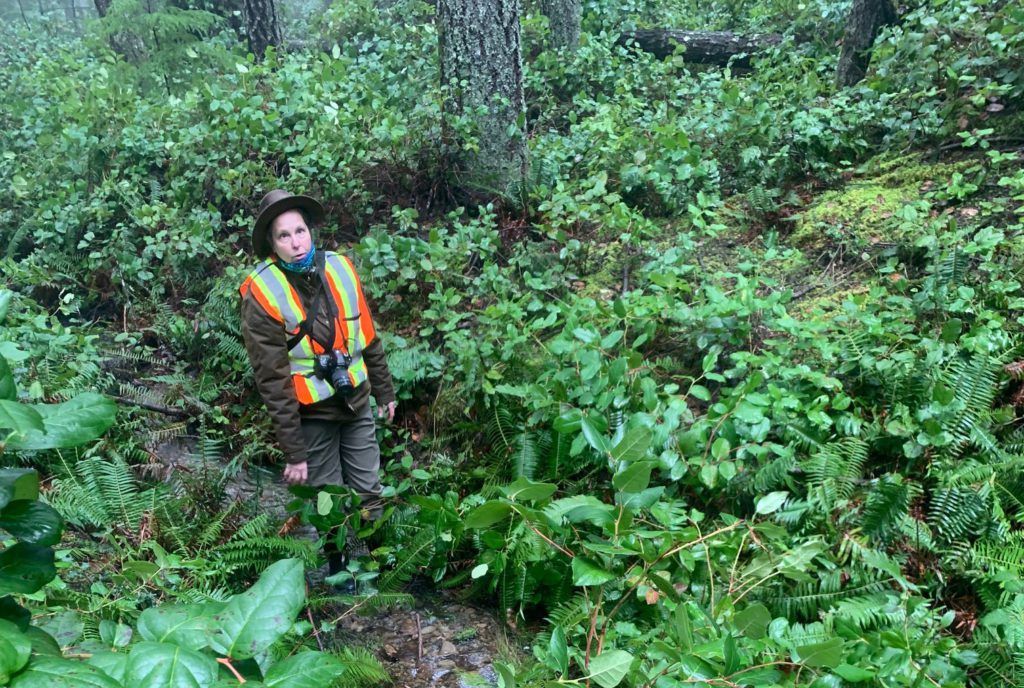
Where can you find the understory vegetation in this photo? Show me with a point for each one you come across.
(728, 391)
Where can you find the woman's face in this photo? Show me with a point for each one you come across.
(290, 236)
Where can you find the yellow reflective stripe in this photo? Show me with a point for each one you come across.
(284, 292)
(349, 305)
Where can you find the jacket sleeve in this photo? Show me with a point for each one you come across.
(265, 342)
(381, 385)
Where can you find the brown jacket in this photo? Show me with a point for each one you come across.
(265, 341)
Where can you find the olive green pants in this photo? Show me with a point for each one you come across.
(345, 454)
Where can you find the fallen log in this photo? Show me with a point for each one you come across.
(704, 47)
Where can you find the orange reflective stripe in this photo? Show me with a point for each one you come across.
(302, 391)
(269, 306)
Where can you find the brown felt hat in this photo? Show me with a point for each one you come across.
(272, 205)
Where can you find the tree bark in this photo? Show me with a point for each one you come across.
(705, 47)
(262, 26)
(102, 6)
(564, 22)
(482, 69)
(867, 17)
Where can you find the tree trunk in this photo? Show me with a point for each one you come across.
(564, 22)
(706, 47)
(481, 66)
(261, 26)
(867, 17)
(102, 6)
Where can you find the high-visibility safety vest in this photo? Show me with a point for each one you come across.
(353, 328)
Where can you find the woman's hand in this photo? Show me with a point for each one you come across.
(388, 410)
(296, 473)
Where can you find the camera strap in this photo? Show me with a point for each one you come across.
(306, 326)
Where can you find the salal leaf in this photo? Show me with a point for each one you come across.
(305, 670)
(163, 665)
(635, 478)
(70, 424)
(558, 650)
(188, 625)
(634, 445)
(251, 622)
(8, 391)
(525, 490)
(53, 672)
(15, 649)
(24, 568)
(586, 572)
(827, 654)
(487, 514)
(609, 668)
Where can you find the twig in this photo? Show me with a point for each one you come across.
(226, 661)
(551, 542)
(316, 631)
(419, 639)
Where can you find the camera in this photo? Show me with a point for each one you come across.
(333, 367)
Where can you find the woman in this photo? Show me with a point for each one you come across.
(315, 354)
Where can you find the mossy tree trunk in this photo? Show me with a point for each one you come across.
(564, 22)
(867, 17)
(102, 6)
(482, 69)
(261, 26)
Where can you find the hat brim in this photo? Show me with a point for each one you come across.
(261, 237)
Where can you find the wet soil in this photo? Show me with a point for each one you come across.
(440, 642)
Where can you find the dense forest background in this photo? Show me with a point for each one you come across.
(709, 359)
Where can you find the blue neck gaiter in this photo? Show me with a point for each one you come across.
(304, 265)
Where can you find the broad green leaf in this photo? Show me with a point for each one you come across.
(580, 509)
(163, 665)
(66, 628)
(70, 424)
(853, 674)
(25, 567)
(13, 612)
(18, 483)
(115, 634)
(31, 521)
(43, 644)
(54, 672)
(634, 445)
(586, 572)
(525, 490)
(7, 389)
(558, 650)
(21, 418)
(15, 649)
(324, 503)
(720, 448)
(609, 668)
(753, 621)
(506, 675)
(594, 437)
(635, 478)
(113, 664)
(253, 621)
(771, 502)
(5, 302)
(827, 654)
(487, 514)
(479, 571)
(305, 670)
